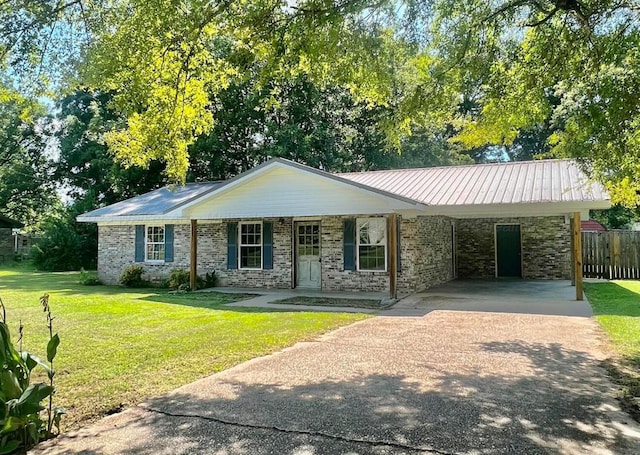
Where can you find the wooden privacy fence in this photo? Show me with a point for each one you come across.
(614, 255)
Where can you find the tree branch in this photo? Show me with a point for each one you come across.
(549, 15)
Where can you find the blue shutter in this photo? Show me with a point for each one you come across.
(139, 256)
(267, 245)
(232, 245)
(349, 245)
(399, 252)
(168, 243)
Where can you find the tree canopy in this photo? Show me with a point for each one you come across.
(26, 187)
(560, 74)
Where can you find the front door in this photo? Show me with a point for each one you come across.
(508, 250)
(308, 255)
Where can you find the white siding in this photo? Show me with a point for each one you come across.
(282, 192)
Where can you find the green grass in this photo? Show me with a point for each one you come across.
(616, 306)
(120, 346)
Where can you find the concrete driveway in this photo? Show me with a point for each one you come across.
(443, 382)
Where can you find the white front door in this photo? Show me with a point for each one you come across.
(308, 255)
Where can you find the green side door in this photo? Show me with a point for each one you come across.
(508, 250)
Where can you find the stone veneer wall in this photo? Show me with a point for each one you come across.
(546, 247)
(116, 251)
(213, 256)
(334, 277)
(426, 250)
(6, 245)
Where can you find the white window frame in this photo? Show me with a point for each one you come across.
(147, 243)
(240, 244)
(359, 222)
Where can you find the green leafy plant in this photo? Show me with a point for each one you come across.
(88, 278)
(210, 280)
(132, 277)
(21, 422)
(180, 279)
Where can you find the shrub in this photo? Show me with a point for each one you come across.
(210, 280)
(20, 401)
(64, 245)
(88, 278)
(131, 277)
(178, 279)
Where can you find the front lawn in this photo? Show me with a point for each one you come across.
(120, 346)
(616, 306)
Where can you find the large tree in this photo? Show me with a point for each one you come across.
(85, 168)
(570, 66)
(523, 62)
(26, 190)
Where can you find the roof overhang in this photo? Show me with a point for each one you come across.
(518, 210)
(215, 204)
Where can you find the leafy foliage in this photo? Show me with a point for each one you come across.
(64, 245)
(88, 278)
(131, 277)
(27, 190)
(617, 217)
(20, 401)
(571, 65)
(84, 165)
(559, 77)
(180, 279)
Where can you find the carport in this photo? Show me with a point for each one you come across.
(545, 297)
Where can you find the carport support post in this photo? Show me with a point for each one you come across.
(573, 259)
(193, 265)
(577, 255)
(393, 256)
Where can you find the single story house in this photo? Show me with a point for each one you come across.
(286, 225)
(7, 241)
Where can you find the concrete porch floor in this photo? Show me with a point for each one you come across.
(543, 297)
(265, 298)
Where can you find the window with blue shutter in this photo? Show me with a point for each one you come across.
(168, 243)
(139, 248)
(232, 245)
(349, 244)
(267, 245)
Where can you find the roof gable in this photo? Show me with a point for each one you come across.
(282, 188)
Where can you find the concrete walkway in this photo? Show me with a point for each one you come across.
(447, 382)
(265, 298)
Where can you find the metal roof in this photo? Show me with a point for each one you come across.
(481, 184)
(156, 202)
(475, 185)
(592, 226)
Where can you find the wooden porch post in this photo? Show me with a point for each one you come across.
(193, 270)
(573, 258)
(577, 255)
(393, 256)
